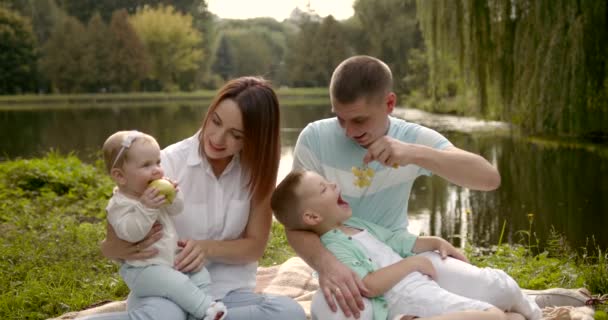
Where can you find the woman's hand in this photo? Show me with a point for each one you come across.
(192, 256)
(115, 248)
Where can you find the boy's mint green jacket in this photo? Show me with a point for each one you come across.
(353, 255)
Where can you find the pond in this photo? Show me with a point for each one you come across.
(559, 188)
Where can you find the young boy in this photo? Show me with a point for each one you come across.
(306, 201)
(132, 159)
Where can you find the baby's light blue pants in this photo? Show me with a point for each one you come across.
(189, 291)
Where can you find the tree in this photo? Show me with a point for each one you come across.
(331, 47)
(128, 62)
(43, 14)
(85, 9)
(97, 55)
(546, 60)
(252, 52)
(171, 42)
(390, 30)
(316, 51)
(300, 62)
(63, 56)
(224, 64)
(17, 57)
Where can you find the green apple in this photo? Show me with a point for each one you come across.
(165, 188)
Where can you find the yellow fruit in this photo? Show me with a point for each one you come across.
(165, 187)
(369, 172)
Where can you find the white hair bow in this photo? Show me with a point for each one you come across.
(126, 143)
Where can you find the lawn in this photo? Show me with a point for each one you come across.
(52, 220)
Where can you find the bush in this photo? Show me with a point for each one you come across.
(52, 220)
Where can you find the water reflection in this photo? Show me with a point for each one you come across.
(562, 187)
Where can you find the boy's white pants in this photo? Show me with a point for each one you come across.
(485, 284)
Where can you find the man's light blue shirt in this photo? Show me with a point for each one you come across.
(323, 147)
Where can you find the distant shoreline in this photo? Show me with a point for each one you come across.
(288, 96)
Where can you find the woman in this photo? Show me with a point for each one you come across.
(226, 172)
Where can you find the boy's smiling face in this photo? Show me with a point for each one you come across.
(322, 199)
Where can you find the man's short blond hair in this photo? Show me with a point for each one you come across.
(112, 155)
(285, 202)
(360, 76)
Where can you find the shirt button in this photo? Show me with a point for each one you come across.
(386, 305)
(370, 259)
(350, 238)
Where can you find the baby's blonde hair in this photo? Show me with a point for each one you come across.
(112, 155)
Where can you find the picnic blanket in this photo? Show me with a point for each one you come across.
(294, 278)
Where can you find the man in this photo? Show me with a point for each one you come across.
(363, 134)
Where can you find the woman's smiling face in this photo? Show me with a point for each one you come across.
(224, 133)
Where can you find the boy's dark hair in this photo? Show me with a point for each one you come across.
(360, 76)
(285, 203)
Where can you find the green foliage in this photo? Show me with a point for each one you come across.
(52, 219)
(97, 55)
(556, 266)
(316, 51)
(171, 42)
(253, 46)
(17, 57)
(128, 64)
(63, 55)
(51, 222)
(85, 9)
(43, 14)
(278, 249)
(542, 64)
(389, 29)
(224, 64)
(250, 52)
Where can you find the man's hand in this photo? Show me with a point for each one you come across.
(389, 152)
(447, 249)
(342, 284)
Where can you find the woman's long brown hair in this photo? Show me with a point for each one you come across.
(262, 144)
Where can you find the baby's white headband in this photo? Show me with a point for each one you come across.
(125, 144)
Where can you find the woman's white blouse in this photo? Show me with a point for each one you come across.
(214, 208)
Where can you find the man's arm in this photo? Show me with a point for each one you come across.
(383, 279)
(460, 167)
(335, 279)
(445, 249)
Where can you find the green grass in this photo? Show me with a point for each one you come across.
(52, 220)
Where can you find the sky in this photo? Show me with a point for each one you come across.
(278, 9)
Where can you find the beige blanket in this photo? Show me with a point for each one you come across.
(294, 279)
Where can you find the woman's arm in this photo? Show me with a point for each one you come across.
(250, 247)
(112, 247)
